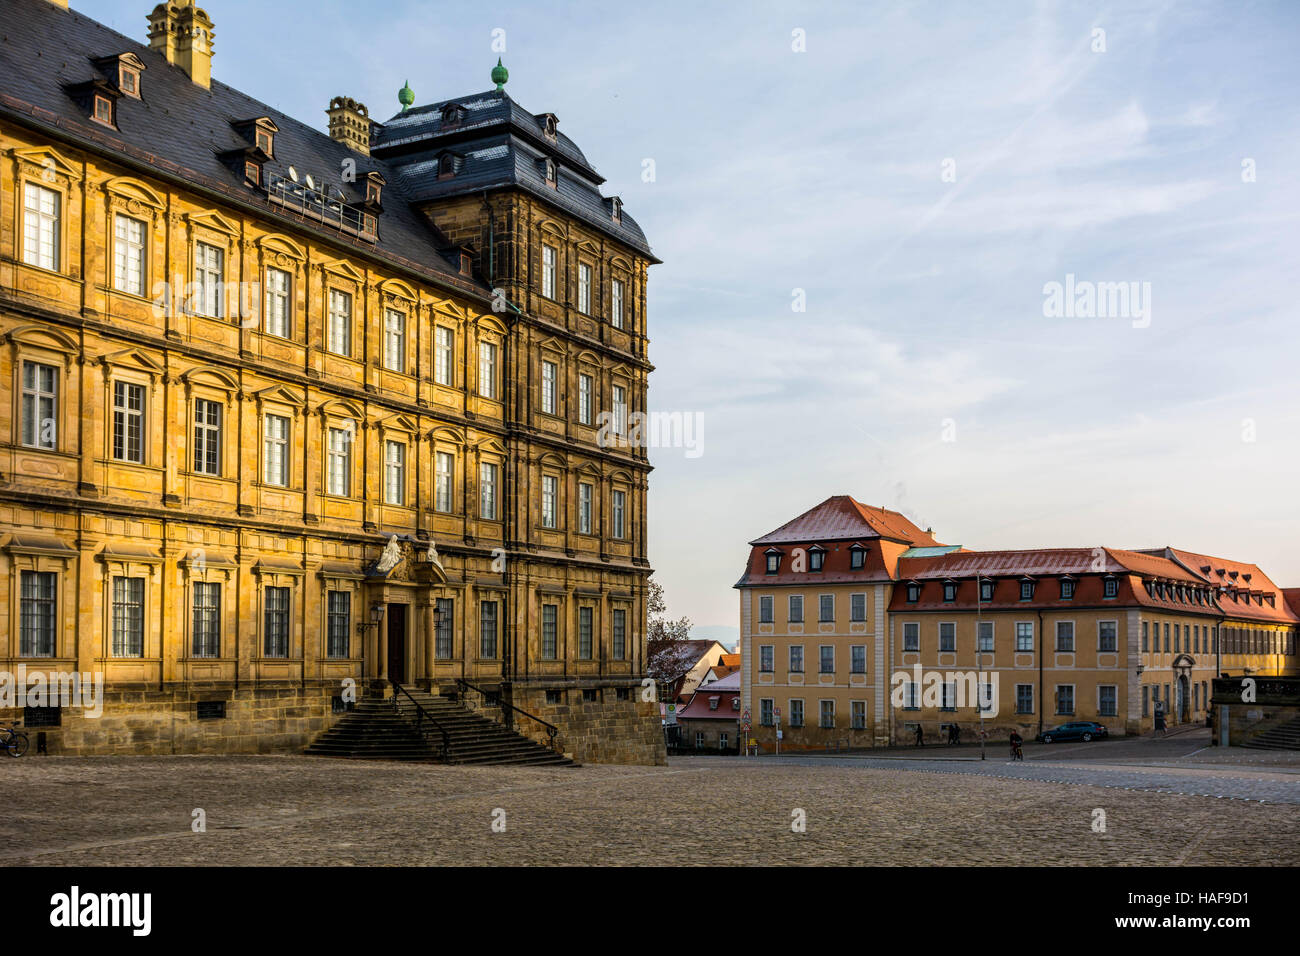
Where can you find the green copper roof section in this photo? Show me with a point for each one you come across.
(406, 96)
(931, 552)
(500, 75)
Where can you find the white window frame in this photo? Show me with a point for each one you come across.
(619, 509)
(550, 372)
(209, 280)
(395, 340)
(444, 355)
(584, 288)
(550, 255)
(208, 437)
(444, 479)
(487, 497)
(128, 254)
(279, 285)
(40, 406)
(276, 450)
(340, 322)
(123, 414)
(394, 472)
(42, 226)
(586, 395)
(550, 496)
(586, 495)
(339, 462)
(487, 369)
(616, 303)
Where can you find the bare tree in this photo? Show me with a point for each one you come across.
(665, 657)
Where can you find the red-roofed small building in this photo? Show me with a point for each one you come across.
(711, 718)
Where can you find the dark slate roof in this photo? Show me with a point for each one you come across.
(179, 128)
(501, 145)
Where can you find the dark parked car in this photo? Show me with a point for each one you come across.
(1078, 730)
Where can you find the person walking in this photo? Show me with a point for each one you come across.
(956, 734)
(1160, 724)
(920, 739)
(1016, 741)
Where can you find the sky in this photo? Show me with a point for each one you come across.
(862, 209)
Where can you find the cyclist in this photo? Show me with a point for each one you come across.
(1016, 741)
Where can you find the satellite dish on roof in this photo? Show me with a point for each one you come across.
(293, 174)
(311, 184)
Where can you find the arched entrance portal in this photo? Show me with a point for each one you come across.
(1184, 700)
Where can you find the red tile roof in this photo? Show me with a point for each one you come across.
(841, 518)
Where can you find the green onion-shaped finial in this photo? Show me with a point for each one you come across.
(406, 96)
(499, 75)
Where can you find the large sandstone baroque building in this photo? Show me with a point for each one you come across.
(286, 410)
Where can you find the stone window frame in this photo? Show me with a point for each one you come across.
(285, 405)
(278, 577)
(553, 467)
(340, 276)
(1074, 701)
(587, 477)
(486, 330)
(614, 608)
(592, 298)
(620, 483)
(938, 630)
(132, 199)
(44, 346)
(341, 416)
(134, 368)
(404, 432)
(622, 270)
(200, 566)
(148, 567)
(210, 228)
(445, 441)
(213, 386)
(499, 595)
(552, 351)
(334, 579)
(593, 605)
(489, 455)
(45, 168)
(1097, 692)
(444, 321)
(27, 556)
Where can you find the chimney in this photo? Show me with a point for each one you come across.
(182, 33)
(350, 124)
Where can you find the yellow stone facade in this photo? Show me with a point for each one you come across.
(71, 507)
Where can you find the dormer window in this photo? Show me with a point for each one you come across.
(913, 592)
(453, 114)
(446, 166)
(816, 558)
(616, 209)
(549, 123)
(1111, 588)
(128, 81)
(857, 557)
(259, 133)
(986, 590)
(549, 170)
(253, 173)
(375, 184)
(1067, 589)
(1026, 590)
(949, 591)
(103, 110)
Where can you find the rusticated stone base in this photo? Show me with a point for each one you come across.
(258, 720)
(606, 730)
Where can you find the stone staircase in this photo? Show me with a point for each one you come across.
(374, 730)
(1281, 736)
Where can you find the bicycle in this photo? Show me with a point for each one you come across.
(14, 741)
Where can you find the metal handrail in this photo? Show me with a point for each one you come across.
(551, 730)
(422, 715)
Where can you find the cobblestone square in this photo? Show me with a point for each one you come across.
(723, 811)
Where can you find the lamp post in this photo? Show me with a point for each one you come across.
(979, 657)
